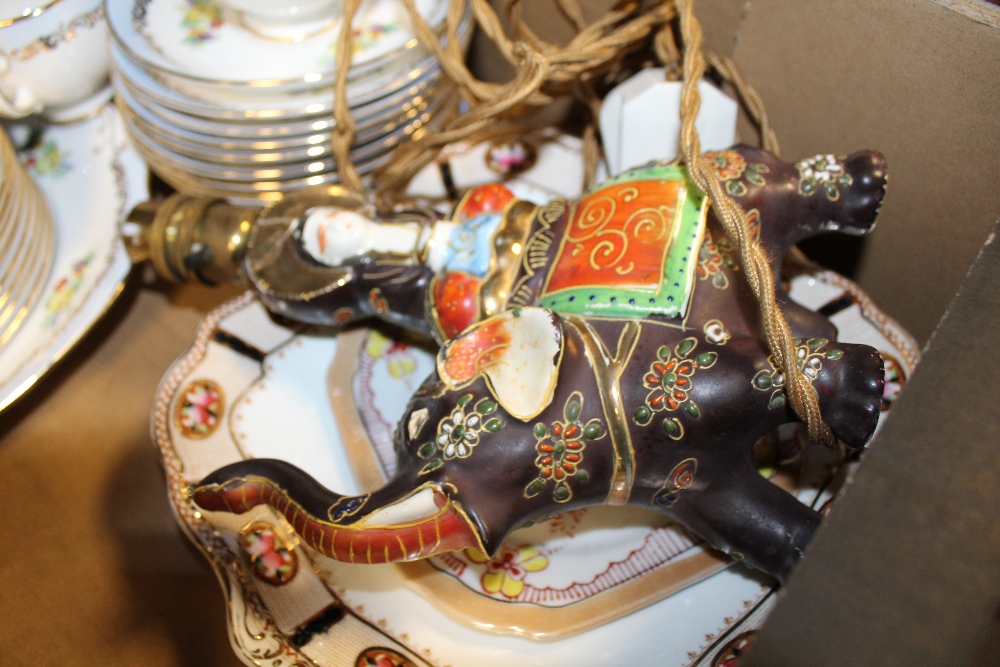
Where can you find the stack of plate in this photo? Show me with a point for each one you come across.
(27, 243)
(221, 110)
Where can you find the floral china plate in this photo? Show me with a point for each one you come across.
(204, 40)
(598, 586)
(91, 177)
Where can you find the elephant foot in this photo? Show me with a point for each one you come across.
(752, 520)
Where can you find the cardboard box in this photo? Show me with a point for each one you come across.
(917, 79)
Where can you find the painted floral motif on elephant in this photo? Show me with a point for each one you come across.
(506, 571)
(560, 450)
(711, 260)
(809, 357)
(736, 172)
(718, 254)
(680, 478)
(669, 382)
(824, 173)
(716, 333)
(459, 432)
(271, 559)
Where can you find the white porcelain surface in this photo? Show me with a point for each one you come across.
(205, 41)
(91, 177)
(640, 119)
(221, 103)
(276, 404)
(53, 60)
(285, 19)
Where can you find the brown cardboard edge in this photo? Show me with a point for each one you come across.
(905, 570)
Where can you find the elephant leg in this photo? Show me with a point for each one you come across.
(751, 519)
(803, 322)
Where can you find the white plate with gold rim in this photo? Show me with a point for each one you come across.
(91, 176)
(221, 104)
(225, 166)
(205, 41)
(251, 387)
(219, 132)
(248, 152)
(376, 155)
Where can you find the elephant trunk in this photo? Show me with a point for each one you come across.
(399, 522)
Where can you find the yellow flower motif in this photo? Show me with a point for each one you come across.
(400, 362)
(506, 571)
(378, 344)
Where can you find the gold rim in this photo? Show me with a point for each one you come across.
(36, 12)
(329, 23)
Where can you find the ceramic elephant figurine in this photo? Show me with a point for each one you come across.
(603, 351)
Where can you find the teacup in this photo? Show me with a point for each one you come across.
(53, 58)
(286, 19)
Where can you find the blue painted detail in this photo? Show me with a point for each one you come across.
(470, 245)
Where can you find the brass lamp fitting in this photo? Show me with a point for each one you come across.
(190, 239)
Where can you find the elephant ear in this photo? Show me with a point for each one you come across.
(518, 351)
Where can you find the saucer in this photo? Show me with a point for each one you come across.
(205, 41)
(91, 177)
(246, 152)
(366, 158)
(220, 103)
(251, 386)
(248, 168)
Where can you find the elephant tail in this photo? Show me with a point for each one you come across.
(399, 522)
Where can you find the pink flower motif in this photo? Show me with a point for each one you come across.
(271, 560)
(382, 657)
(510, 158)
(199, 409)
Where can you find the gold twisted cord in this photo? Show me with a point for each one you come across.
(342, 135)
(801, 395)
(542, 72)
